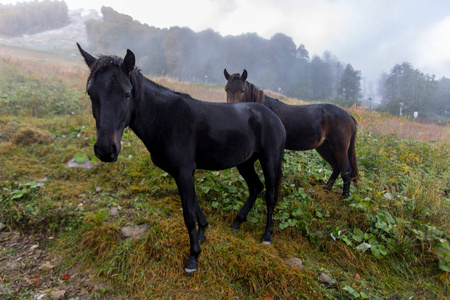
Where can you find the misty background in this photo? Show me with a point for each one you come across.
(278, 63)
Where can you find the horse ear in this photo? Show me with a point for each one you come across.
(227, 75)
(89, 59)
(244, 75)
(129, 61)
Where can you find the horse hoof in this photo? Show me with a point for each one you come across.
(235, 227)
(266, 242)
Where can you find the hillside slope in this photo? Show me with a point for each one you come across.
(61, 39)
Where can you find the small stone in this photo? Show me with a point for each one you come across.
(114, 211)
(32, 248)
(98, 190)
(16, 238)
(137, 232)
(73, 164)
(58, 294)
(295, 262)
(327, 279)
(37, 253)
(46, 267)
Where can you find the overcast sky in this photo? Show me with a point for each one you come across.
(372, 35)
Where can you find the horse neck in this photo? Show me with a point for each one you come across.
(253, 94)
(144, 116)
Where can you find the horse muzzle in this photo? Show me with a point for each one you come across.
(107, 151)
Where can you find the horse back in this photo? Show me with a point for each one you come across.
(307, 126)
(229, 134)
(214, 136)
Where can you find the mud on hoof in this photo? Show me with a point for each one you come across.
(266, 240)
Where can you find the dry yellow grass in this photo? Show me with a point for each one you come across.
(72, 71)
(384, 124)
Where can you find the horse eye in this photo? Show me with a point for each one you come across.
(242, 91)
(127, 95)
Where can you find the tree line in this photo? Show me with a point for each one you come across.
(32, 17)
(406, 90)
(277, 64)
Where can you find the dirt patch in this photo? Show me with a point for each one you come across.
(28, 271)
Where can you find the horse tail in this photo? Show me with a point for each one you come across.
(352, 154)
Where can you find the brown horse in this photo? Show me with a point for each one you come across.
(324, 127)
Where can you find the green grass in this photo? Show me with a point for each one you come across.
(400, 208)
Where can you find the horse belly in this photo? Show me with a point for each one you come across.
(226, 152)
(298, 138)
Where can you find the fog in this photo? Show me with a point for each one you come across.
(371, 35)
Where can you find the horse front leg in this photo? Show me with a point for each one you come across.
(202, 223)
(191, 211)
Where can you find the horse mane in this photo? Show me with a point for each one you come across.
(253, 94)
(135, 76)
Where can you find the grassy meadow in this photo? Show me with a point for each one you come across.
(388, 240)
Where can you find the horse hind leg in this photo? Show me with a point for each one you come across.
(325, 151)
(255, 187)
(272, 176)
(346, 175)
(346, 171)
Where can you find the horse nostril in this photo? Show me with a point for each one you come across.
(107, 152)
(113, 149)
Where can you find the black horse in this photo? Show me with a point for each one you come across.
(183, 134)
(324, 127)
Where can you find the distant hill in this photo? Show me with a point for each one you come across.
(62, 39)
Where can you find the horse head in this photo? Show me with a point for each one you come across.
(110, 90)
(235, 86)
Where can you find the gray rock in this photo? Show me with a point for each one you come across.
(58, 294)
(114, 211)
(73, 164)
(327, 279)
(46, 267)
(32, 248)
(135, 232)
(295, 262)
